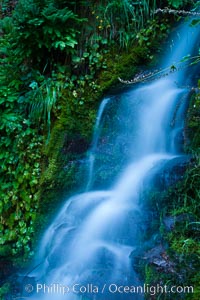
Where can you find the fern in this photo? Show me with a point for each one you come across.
(46, 30)
(55, 15)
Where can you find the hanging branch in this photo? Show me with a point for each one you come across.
(167, 10)
(153, 75)
(157, 74)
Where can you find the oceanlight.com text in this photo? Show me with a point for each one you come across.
(111, 288)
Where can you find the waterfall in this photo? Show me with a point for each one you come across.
(85, 253)
(94, 141)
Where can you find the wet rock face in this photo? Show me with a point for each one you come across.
(6, 270)
(7, 279)
(169, 173)
(173, 171)
(76, 145)
(170, 221)
(158, 257)
(19, 286)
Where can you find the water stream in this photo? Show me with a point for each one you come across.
(85, 253)
(95, 141)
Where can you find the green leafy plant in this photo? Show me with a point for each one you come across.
(42, 100)
(177, 3)
(45, 31)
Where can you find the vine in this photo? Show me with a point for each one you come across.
(167, 10)
(157, 74)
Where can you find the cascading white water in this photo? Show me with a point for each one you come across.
(90, 241)
(94, 141)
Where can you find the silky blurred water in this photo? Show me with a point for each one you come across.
(90, 241)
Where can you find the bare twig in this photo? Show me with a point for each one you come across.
(167, 10)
